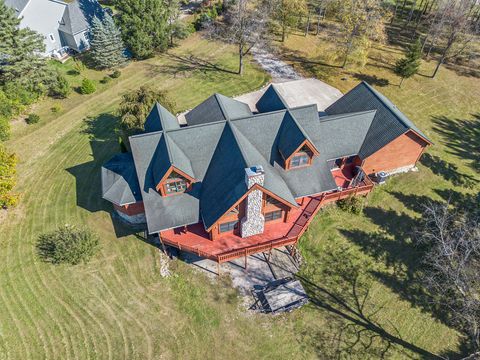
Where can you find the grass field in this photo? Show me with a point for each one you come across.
(118, 306)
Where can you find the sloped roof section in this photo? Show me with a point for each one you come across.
(291, 136)
(17, 5)
(119, 180)
(160, 119)
(78, 16)
(388, 124)
(271, 100)
(217, 108)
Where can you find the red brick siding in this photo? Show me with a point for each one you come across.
(132, 209)
(403, 151)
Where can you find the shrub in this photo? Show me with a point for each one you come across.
(32, 119)
(202, 22)
(116, 74)
(56, 108)
(4, 128)
(105, 80)
(60, 87)
(8, 178)
(87, 87)
(352, 204)
(67, 244)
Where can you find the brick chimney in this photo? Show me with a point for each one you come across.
(254, 222)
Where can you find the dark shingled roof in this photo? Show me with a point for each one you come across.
(389, 122)
(119, 180)
(217, 108)
(216, 153)
(160, 119)
(271, 100)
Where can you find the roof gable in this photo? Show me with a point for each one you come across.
(79, 14)
(292, 136)
(271, 100)
(119, 180)
(160, 119)
(388, 124)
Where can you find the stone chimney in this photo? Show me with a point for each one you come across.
(254, 222)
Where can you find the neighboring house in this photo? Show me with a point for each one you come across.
(63, 25)
(233, 183)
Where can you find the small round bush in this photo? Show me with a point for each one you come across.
(60, 87)
(68, 244)
(116, 74)
(56, 108)
(105, 80)
(88, 87)
(352, 204)
(32, 119)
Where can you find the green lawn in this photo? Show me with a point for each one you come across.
(118, 306)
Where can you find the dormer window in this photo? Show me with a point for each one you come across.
(299, 159)
(175, 184)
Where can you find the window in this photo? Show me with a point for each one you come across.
(272, 201)
(175, 186)
(300, 159)
(228, 226)
(274, 215)
(52, 38)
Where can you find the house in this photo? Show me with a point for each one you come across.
(232, 182)
(62, 24)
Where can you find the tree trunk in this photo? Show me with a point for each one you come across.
(397, 3)
(284, 30)
(240, 60)
(349, 48)
(401, 82)
(444, 55)
(318, 22)
(307, 28)
(410, 15)
(403, 6)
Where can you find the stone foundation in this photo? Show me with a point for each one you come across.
(402, 170)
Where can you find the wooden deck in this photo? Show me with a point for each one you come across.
(196, 240)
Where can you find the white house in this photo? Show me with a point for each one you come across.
(63, 25)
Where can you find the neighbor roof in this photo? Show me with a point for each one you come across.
(216, 153)
(120, 181)
(17, 5)
(389, 122)
(79, 15)
(216, 108)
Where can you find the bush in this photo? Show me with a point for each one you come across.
(32, 119)
(60, 87)
(352, 204)
(67, 244)
(88, 87)
(202, 22)
(4, 128)
(8, 178)
(105, 80)
(116, 74)
(56, 108)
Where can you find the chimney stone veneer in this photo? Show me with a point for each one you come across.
(254, 222)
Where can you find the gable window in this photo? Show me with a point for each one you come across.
(228, 226)
(273, 215)
(175, 186)
(272, 201)
(299, 159)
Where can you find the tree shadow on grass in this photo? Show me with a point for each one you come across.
(181, 65)
(104, 144)
(461, 136)
(447, 170)
(372, 79)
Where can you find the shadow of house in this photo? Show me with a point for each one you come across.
(372, 79)
(461, 136)
(104, 144)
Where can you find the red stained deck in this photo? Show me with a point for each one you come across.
(230, 246)
(343, 176)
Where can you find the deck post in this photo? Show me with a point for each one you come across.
(246, 259)
(218, 268)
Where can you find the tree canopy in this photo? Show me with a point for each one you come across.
(136, 105)
(408, 66)
(106, 45)
(144, 26)
(8, 178)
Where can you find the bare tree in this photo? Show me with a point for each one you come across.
(456, 27)
(244, 25)
(452, 265)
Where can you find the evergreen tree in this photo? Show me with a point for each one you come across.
(144, 26)
(106, 45)
(20, 51)
(408, 66)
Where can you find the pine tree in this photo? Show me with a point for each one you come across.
(106, 45)
(408, 66)
(143, 24)
(20, 51)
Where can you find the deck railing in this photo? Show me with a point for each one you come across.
(296, 231)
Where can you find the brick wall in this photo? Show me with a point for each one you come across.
(403, 151)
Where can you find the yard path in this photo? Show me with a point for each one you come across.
(278, 69)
